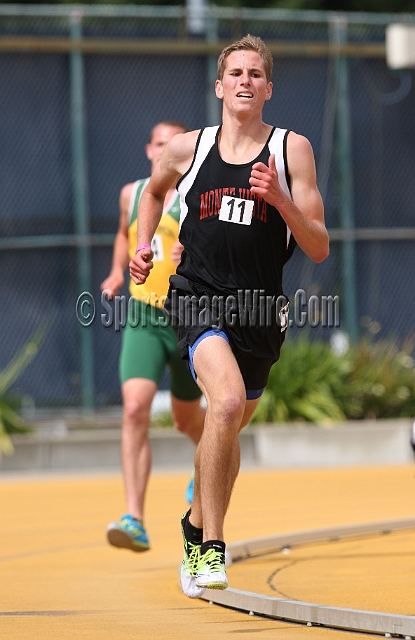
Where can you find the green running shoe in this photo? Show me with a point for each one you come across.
(188, 568)
(129, 533)
(211, 571)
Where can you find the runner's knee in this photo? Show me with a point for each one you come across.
(228, 408)
(136, 413)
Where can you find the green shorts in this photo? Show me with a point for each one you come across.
(148, 345)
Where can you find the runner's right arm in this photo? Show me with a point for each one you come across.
(115, 280)
(175, 161)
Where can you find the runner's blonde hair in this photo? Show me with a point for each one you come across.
(248, 43)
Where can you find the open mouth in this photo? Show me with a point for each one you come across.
(245, 95)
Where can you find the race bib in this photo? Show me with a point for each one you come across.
(236, 210)
(157, 248)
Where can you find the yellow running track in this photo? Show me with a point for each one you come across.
(60, 579)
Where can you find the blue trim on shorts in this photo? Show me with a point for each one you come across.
(251, 394)
(205, 334)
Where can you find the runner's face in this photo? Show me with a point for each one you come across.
(161, 135)
(244, 87)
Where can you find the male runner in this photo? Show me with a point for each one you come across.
(248, 195)
(148, 344)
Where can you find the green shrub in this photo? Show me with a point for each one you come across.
(162, 419)
(311, 383)
(10, 421)
(381, 381)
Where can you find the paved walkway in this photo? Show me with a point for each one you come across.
(60, 579)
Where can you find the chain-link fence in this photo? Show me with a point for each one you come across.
(81, 89)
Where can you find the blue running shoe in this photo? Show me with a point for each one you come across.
(190, 488)
(129, 533)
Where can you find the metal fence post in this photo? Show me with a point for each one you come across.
(80, 199)
(345, 178)
(213, 104)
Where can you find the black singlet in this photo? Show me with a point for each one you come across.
(232, 240)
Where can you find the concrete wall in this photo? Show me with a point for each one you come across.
(55, 447)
